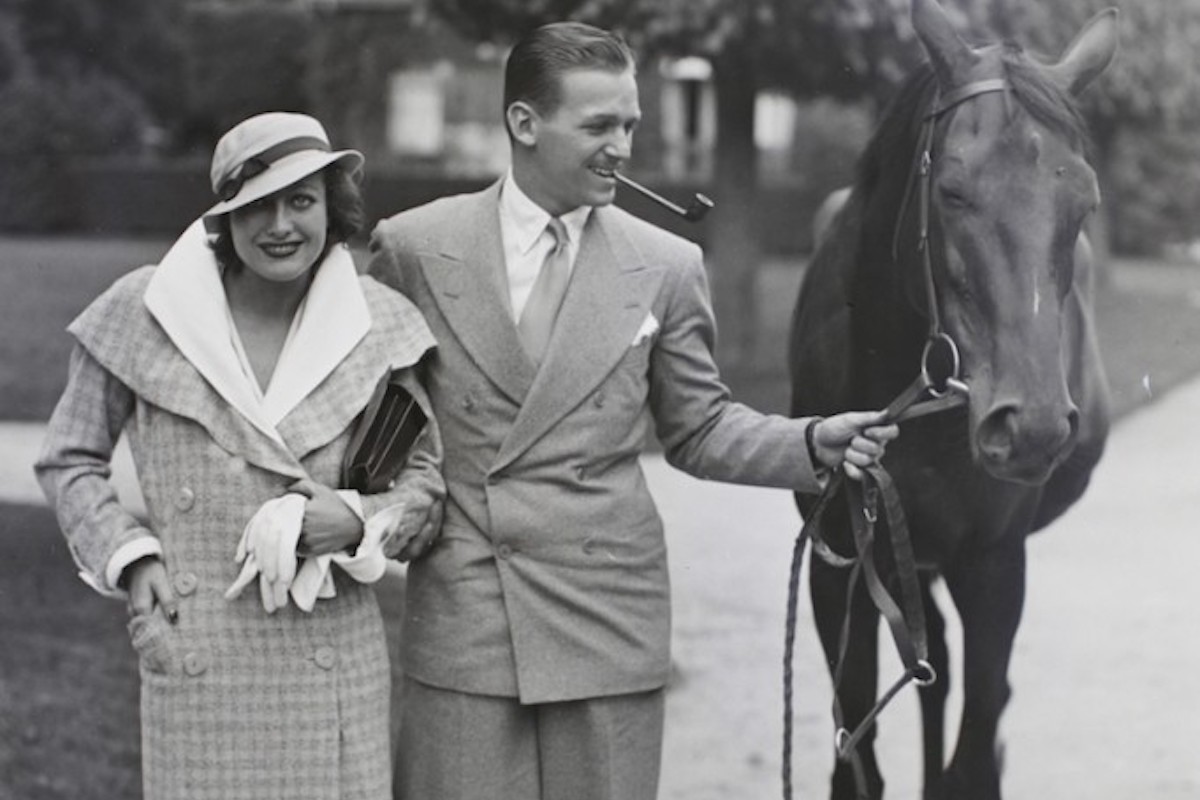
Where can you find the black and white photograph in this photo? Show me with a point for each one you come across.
(599, 399)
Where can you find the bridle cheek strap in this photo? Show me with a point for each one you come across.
(921, 177)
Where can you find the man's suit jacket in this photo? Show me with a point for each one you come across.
(549, 581)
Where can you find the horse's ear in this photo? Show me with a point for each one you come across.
(1088, 54)
(950, 55)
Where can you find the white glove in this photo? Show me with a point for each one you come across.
(314, 580)
(268, 549)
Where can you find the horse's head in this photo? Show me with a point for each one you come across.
(1009, 188)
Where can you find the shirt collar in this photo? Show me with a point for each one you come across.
(525, 220)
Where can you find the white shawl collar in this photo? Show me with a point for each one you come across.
(187, 299)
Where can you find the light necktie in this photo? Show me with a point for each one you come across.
(545, 298)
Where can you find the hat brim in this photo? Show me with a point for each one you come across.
(284, 173)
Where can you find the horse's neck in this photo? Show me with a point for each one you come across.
(889, 325)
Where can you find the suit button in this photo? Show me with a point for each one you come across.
(184, 583)
(326, 657)
(589, 547)
(468, 404)
(598, 400)
(185, 499)
(581, 473)
(504, 551)
(195, 664)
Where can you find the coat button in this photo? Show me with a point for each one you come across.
(185, 499)
(195, 664)
(598, 400)
(504, 551)
(468, 403)
(326, 657)
(589, 547)
(184, 583)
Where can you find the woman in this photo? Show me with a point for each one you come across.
(237, 367)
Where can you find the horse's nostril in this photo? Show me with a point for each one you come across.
(1072, 424)
(997, 432)
(1010, 435)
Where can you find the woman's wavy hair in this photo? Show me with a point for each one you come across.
(344, 205)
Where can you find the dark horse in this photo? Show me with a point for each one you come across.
(1006, 276)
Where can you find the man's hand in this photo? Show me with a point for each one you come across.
(853, 440)
(329, 524)
(429, 531)
(148, 584)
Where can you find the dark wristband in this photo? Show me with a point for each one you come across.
(810, 442)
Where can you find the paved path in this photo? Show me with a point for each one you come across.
(1106, 704)
(1105, 671)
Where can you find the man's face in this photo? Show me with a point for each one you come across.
(574, 149)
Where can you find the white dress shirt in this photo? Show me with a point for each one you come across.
(527, 241)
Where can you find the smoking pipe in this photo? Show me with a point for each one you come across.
(695, 211)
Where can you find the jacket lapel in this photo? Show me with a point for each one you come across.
(187, 300)
(334, 320)
(331, 408)
(610, 294)
(468, 284)
(120, 333)
(398, 338)
(169, 381)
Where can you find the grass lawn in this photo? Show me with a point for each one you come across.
(43, 285)
(68, 682)
(68, 678)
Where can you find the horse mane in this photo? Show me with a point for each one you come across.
(892, 149)
(1044, 100)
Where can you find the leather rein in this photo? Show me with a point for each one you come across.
(938, 387)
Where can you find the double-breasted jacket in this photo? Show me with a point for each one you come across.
(549, 581)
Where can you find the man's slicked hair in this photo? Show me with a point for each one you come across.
(537, 62)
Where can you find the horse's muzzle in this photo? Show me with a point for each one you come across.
(1024, 444)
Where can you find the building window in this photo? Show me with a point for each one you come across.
(416, 116)
(689, 117)
(449, 114)
(774, 131)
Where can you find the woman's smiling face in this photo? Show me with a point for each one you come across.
(280, 237)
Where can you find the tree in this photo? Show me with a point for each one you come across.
(134, 44)
(241, 60)
(75, 79)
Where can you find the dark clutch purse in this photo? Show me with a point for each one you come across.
(385, 434)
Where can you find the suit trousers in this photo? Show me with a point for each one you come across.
(458, 746)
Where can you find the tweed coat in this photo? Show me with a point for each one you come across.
(235, 703)
(549, 581)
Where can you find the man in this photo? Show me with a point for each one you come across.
(538, 629)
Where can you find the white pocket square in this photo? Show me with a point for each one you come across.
(648, 329)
